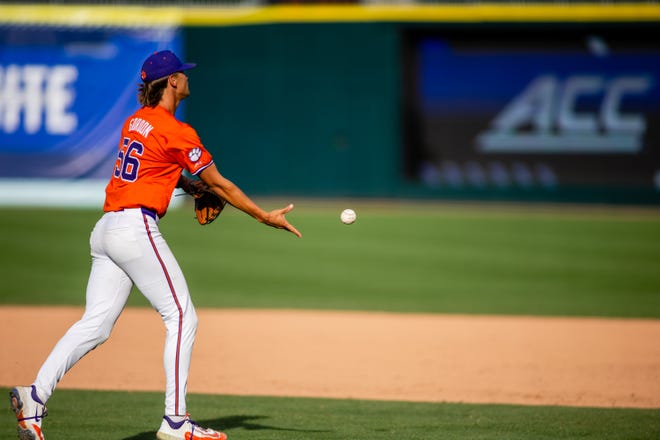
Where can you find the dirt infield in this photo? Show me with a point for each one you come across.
(431, 358)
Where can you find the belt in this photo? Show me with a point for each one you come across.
(151, 214)
(144, 211)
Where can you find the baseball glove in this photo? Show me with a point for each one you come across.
(208, 205)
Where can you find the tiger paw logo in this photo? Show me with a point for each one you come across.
(195, 154)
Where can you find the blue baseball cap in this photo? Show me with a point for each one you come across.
(162, 64)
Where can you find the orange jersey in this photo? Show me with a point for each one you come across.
(153, 151)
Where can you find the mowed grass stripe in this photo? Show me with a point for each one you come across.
(407, 258)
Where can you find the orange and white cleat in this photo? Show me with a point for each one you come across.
(29, 410)
(186, 429)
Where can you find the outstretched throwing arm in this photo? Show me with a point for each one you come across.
(230, 192)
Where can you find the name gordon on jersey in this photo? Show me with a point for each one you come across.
(140, 126)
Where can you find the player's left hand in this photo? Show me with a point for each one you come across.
(208, 205)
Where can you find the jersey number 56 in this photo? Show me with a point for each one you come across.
(128, 160)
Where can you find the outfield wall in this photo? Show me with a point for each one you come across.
(300, 108)
(535, 102)
(420, 109)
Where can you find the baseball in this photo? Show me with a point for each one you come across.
(348, 216)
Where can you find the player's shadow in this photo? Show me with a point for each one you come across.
(228, 423)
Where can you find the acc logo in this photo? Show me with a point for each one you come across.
(546, 117)
(195, 154)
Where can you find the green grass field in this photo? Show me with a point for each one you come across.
(84, 415)
(397, 257)
(418, 258)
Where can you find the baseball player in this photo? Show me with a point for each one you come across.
(128, 249)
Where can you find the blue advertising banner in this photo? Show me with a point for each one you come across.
(530, 109)
(64, 94)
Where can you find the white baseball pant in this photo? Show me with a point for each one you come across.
(127, 248)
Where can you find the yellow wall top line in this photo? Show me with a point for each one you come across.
(142, 16)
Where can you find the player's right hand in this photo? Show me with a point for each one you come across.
(277, 219)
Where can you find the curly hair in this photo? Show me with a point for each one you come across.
(150, 93)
